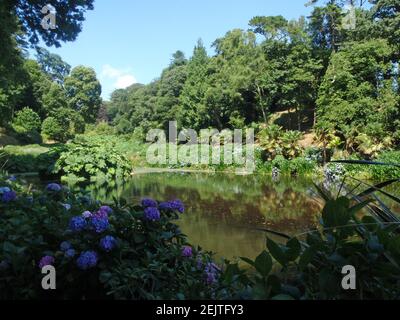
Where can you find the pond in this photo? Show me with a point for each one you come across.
(227, 213)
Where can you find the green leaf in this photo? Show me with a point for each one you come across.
(263, 263)
(294, 249)
(276, 251)
(336, 213)
(248, 261)
(358, 207)
(307, 257)
(378, 186)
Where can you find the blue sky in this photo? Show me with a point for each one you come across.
(129, 41)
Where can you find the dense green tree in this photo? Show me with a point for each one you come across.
(299, 90)
(54, 98)
(357, 93)
(271, 27)
(192, 111)
(53, 65)
(83, 92)
(170, 87)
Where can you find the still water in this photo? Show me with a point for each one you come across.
(226, 213)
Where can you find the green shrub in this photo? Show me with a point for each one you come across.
(88, 160)
(275, 141)
(295, 166)
(55, 130)
(27, 119)
(123, 126)
(314, 153)
(77, 124)
(102, 128)
(26, 126)
(387, 172)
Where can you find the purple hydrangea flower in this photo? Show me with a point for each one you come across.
(178, 206)
(175, 205)
(87, 260)
(87, 214)
(99, 224)
(105, 210)
(199, 263)
(211, 273)
(55, 187)
(108, 243)
(149, 203)
(211, 278)
(46, 261)
(152, 214)
(70, 253)
(65, 246)
(8, 196)
(77, 224)
(187, 252)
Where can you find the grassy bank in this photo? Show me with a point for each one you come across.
(42, 158)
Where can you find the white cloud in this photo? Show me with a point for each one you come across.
(121, 78)
(125, 81)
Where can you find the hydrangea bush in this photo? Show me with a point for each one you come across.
(108, 252)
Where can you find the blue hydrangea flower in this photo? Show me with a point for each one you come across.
(87, 260)
(175, 205)
(152, 214)
(108, 243)
(149, 203)
(87, 214)
(77, 224)
(12, 178)
(55, 187)
(65, 246)
(70, 253)
(4, 189)
(8, 196)
(99, 224)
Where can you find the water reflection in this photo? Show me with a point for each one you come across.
(224, 213)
